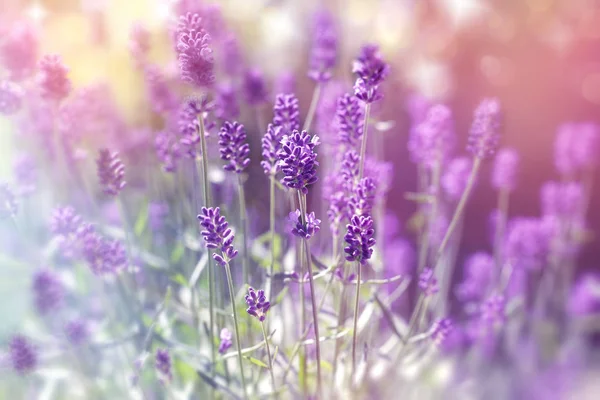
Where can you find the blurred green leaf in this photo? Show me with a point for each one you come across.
(177, 253)
(142, 220)
(180, 279)
(256, 361)
(185, 371)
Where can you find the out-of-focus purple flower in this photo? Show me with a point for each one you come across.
(233, 147)
(271, 145)
(432, 141)
(232, 58)
(456, 176)
(362, 200)
(527, 243)
(162, 99)
(359, 239)
(286, 113)
(226, 342)
(105, 257)
(585, 296)
(350, 168)
(382, 172)
(258, 306)
(478, 274)
(441, 330)
(304, 230)
(8, 202)
(54, 82)
(504, 175)
(217, 234)
(111, 172)
(19, 50)
(139, 42)
(298, 160)
(11, 97)
(168, 150)
(485, 130)
(285, 83)
(48, 291)
(350, 120)
(64, 221)
(371, 71)
(23, 355)
(337, 211)
(493, 310)
(25, 173)
(195, 57)
(77, 331)
(163, 364)
(577, 147)
(399, 256)
(428, 283)
(226, 102)
(255, 89)
(189, 126)
(157, 212)
(323, 53)
(562, 200)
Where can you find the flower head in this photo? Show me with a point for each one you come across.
(349, 116)
(485, 130)
(350, 168)
(527, 243)
(226, 342)
(11, 97)
(19, 51)
(77, 331)
(305, 229)
(104, 256)
(168, 150)
(233, 147)
(111, 172)
(432, 140)
(258, 306)
(504, 176)
(371, 71)
(442, 328)
(456, 176)
(428, 282)
(359, 239)
(576, 147)
(255, 88)
(362, 200)
(23, 355)
(479, 272)
(217, 234)
(54, 83)
(161, 97)
(563, 200)
(48, 291)
(286, 113)
(163, 364)
(195, 57)
(323, 53)
(226, 102)
(298, 160)
(271, 145)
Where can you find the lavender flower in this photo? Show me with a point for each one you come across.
(48, 291)
(441, 330)
(298, 160)
(217, 234)
(25, 173)
(11, 97)
(479, 272)
(226, 102)
(111, 172)
(493, 310)
(305, 229)
(161, 97)
(19, 51)
(371, 71)
(271, 145)
(226, 342)
(139, 42)
(54, 83)
(338, 204)
(504, 176)
(233, 147)
(577, 147)
(527, 243)
(104, 257)
(350, 120)
(432, 141)
(255, 88)
(64, 221)
(360, 240)
(428, 282)
(163, 364)
(456, 176)
(286, 113)
(258, 306)
(324, 48)
(562, 200)
(232, 58)
(77, 331)
(362, 200)
(168, 150)
(189, 126)
(195, 57)
(350, 168)
(485, 130)
(8, 202)
(23, 355)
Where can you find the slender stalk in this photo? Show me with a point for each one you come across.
(363, 146)
(340, 321)
(237, 330)
(303, 364)
(355, 325)
(312, 108)
(272, 231)
(315, 313)
(244, 223)
(424, 250)
(262, 325)
(503, 200)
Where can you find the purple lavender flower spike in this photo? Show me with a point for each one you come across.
(226, 342)
(271, 145)
(350, 120)
(226, 102)
(456, 175)
(48, 291)
(163, 364)
(338, 203)
(298, 160)
(217, 234)
(255, 88)
(304, 230)
(432, 140)
(11, 97)
(189, 126)
(258, 306)
(233, 147)
(111, 172)
(428, 282)
(77, 331)
(168, 150)
(441, 330)
(64, 221)
(26, 174)
(323, 54)
(286, 113)
(19, 51)
(195, 57)
(350, 168)
(485, 130)
(504, 176)
(576, 147)
(54, 83)
(479, 272)
(360, 240)
(362, 200)
(371, 71)
(23, 355)
(105, 257)
(562, 200)
(8, 202)
(232, 58)
(161, 96)
(527, 243)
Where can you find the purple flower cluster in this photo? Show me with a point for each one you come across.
(478, 274)
(258, 306)
(455, 178)
(304, 229)
(195, 57)
(189, 125)
(226, 342)
(432, 141)
(233, 147)
(54, 82)
(504, 176)
(527, 243)
(428, 283)
(371, 71)
(562, 200)
(350, 168)
(217, 234)
(25, 172)
(163, 364)
(359, 239)
(48, 291)
(298, 160)
(105, 257)
(576, 148)
(286, 113)
(362, 200)
(271, 145)
(441, 330)
(168, 150)
(111, 172)
(23, 355)
(323, 53)
(160, 95)
(77, 331)
(350, 120)
(255, 88)
(485, 130)
(19, 50)
(11, 97)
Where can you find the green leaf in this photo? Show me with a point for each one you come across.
(142, 220)
(185, 371)
(180, 279)
(177, 253)
(256, 361)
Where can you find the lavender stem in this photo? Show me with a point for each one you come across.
(262, 325)
(363, 145)
(312, 108)
(355, 324)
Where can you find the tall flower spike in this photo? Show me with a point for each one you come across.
(504, 175)
(23, 355)
(456, 176)
(233, 147)
(323, 53)
(195, 57)
(432, 140)
(258, 306)
(226, 102)
(19, 51)
(271, 145)
(111, 172)
(371, 71)
(11, 97)
(163, 364)
(48, 291)
(54, 83)
(428, 282)
(362, 200)
(350, 120)
(304, 230)
(350, 168)
(105, 257)
(286, 113)
(217, 234)
(485, 130)
(255, 88)
(359, 238)
(298, 160)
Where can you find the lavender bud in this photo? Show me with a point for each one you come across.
(428, 282)
(485, 130)
(350, 120)
(258, 306)
(286, 113)
(54, 83)
(304, 230)
(163, 364)
(233, 147)
(111, 172)
(23, 355)
(504, 176)
(441, 330)
(359, 238)
(323, 53)
(298, 160)
(195, 57)
(217, 234)
(432, 140)
(255, 88)
(271, 145)
(11, 97)
(371, 71)
(48, 291)
(226, 342)
(456, 176)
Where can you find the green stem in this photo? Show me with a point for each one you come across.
(312, 108)
(262, 325)
(355, 325)
(340, 321)
(272, 231)
(237, 330)
(243, 222)
(363, 146)
(315, 313)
